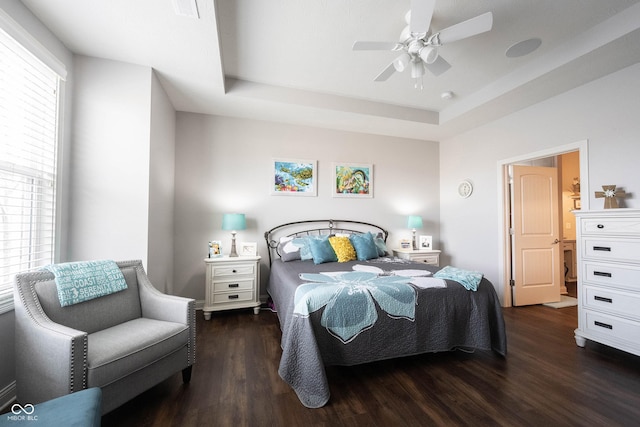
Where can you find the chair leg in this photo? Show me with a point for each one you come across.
(186, 374)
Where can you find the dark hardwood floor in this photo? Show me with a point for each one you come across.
(545, 380)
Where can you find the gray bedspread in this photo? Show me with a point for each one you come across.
(442, 319)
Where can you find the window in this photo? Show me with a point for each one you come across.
(28, 149)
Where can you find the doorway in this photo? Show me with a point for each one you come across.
(505, 230)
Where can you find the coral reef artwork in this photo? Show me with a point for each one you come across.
(353, 180)
(297, 177)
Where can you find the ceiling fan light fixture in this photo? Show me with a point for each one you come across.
(417, 69)
(428, 54)
(401, 62)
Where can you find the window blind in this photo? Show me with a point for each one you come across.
(28, 149)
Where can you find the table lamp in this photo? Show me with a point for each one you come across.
(414, 222)
(233, 222)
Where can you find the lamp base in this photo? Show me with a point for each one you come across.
(413, 241)
(233, 252)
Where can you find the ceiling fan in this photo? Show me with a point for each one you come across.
(419, 46)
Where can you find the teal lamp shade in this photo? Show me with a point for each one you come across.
(414, 222)
(233, 222)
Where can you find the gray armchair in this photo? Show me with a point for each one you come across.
(124, 343)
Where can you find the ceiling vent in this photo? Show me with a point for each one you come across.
(186, 8)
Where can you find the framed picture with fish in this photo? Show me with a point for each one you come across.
(352, 180)
(292, 177)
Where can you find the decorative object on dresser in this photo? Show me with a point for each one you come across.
(427, 256)
(232, 283)
(608, 244)
(233, 222)
(425, 242)
(414, 222)
(611, 196)
(248, 249)
(215, 248)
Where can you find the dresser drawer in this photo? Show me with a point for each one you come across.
(621, 276)
(233, 285)
(611, 327)
(611, 226)
(231, 297)
(623, 250)
(223, 271)
(617, 302)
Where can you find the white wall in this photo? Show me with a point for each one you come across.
(605, 112)
(161, 188)
(109, 168)
(223, 165)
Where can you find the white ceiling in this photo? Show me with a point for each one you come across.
(291, 60)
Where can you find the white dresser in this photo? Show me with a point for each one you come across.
(232, 283)
(608, 243)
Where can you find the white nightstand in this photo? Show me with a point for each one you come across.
(232, 283)
(428, 256)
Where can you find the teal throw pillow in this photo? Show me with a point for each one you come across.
(322, 251)
(365, 246)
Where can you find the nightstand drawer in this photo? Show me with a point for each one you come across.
(234, 285)
(232, 297)
(220, 271)
(431, 260)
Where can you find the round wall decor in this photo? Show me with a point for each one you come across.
(465, 188)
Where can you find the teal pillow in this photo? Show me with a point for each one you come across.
(365, 246)
(381, 245)
(322, 251)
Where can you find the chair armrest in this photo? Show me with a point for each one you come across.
(56, 362)
(170, 308)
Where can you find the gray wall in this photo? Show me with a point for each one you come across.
(604, 112)
(224, 165)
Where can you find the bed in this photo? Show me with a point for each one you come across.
(335, 310)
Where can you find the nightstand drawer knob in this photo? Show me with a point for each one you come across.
(602, 248)
(603, 299)
(234, 271)
(601, 274)
(600, 225)
(234, 285)
(234, 296)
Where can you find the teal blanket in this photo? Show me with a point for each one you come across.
(85, 280)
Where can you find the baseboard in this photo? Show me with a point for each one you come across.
(7, 396)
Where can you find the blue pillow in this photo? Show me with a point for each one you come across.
(322, 251)
(305, 249)
(365, 246)
(381, 245)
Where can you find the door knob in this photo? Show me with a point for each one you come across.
(555, 242)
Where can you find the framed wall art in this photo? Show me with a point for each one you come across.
(352, 180)
(294, 177)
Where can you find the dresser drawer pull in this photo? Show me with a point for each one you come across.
(603, 299)
(602, 248)
(234, 296)
(233, 271)
(603, 325)
(600, 225)
(601, 274)
(234, 285)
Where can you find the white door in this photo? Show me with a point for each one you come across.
(536, 247)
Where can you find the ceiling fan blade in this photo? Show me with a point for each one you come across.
(439, 66)
(385, 74)
(468, 28)
(421, 14)
(375, 45)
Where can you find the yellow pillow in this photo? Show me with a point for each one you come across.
(343, 248)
